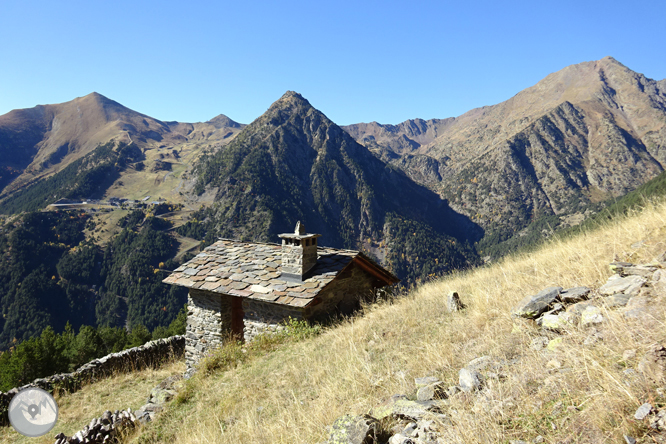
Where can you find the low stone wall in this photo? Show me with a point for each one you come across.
(151, 354)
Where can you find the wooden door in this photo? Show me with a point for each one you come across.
(237, 315)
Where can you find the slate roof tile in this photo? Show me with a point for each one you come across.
(236, 268)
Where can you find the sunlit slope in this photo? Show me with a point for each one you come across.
(291, 395)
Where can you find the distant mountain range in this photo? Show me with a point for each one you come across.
(583, 135)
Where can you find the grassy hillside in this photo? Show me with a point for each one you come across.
(575, 392)
(116, 393)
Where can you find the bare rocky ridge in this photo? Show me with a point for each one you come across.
(394, 140)
(589, 132)
(36, 142)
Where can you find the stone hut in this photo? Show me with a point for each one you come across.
(245, 288)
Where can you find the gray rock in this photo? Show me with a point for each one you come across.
(643, 411)
(469, 380)
(351, 429)
(453, 302)
(618, 284)
(532, 306)
(410, 429)
(432, 391)
(480, 363)
(579, 307)
(559, 322)
(452, 390)
(591, 316)
(399, 438)
(400, 406)
(575, 294)
(659, 420)
(617, 300)
(653, 363)
(629, 440)
(161, 396)
(426, 380)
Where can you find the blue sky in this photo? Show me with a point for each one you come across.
(386, 61)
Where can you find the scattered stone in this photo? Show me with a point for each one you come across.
(619, 284)
(658, 422)
(579, 307)
(399, 438)
(432, 391)
(554, 344)
(559, 322)
(426, 380)
(653, 362)
(575, 294)
(453, 302)
(629, 440)
(591, 316)
(452, 390)
(350, 429)
(469, 380)
(617, 300)
(479, 364)
(532, 306)
(539, 439)
(643, 411)
(593, 338)
(401, 407)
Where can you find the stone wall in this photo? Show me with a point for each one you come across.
(208, 323)
(261, 317)
(151, 354)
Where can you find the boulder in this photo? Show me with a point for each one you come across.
(643, 411)
(469, 380)
(617, 300)
(559, 322)
(350, 429)
(619, 284)
(426, 380)
(533, 306)
(591, 316)
(436, 390)
(400, 407)
(658, 422)
(653, 363)
(575, 294)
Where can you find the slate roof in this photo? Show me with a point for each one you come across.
(252, 270)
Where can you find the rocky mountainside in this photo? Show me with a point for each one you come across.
(293, 163)
(39, 141)
(584, 134)
(391, 141)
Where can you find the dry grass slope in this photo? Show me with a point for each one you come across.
(116, 393)
(577, 393)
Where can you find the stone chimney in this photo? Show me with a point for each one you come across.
(299, 252)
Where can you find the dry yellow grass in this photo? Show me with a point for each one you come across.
(577, 393)
(116, 393)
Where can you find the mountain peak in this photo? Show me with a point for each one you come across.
(292, 98)
(294, 94)
(222, 121)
